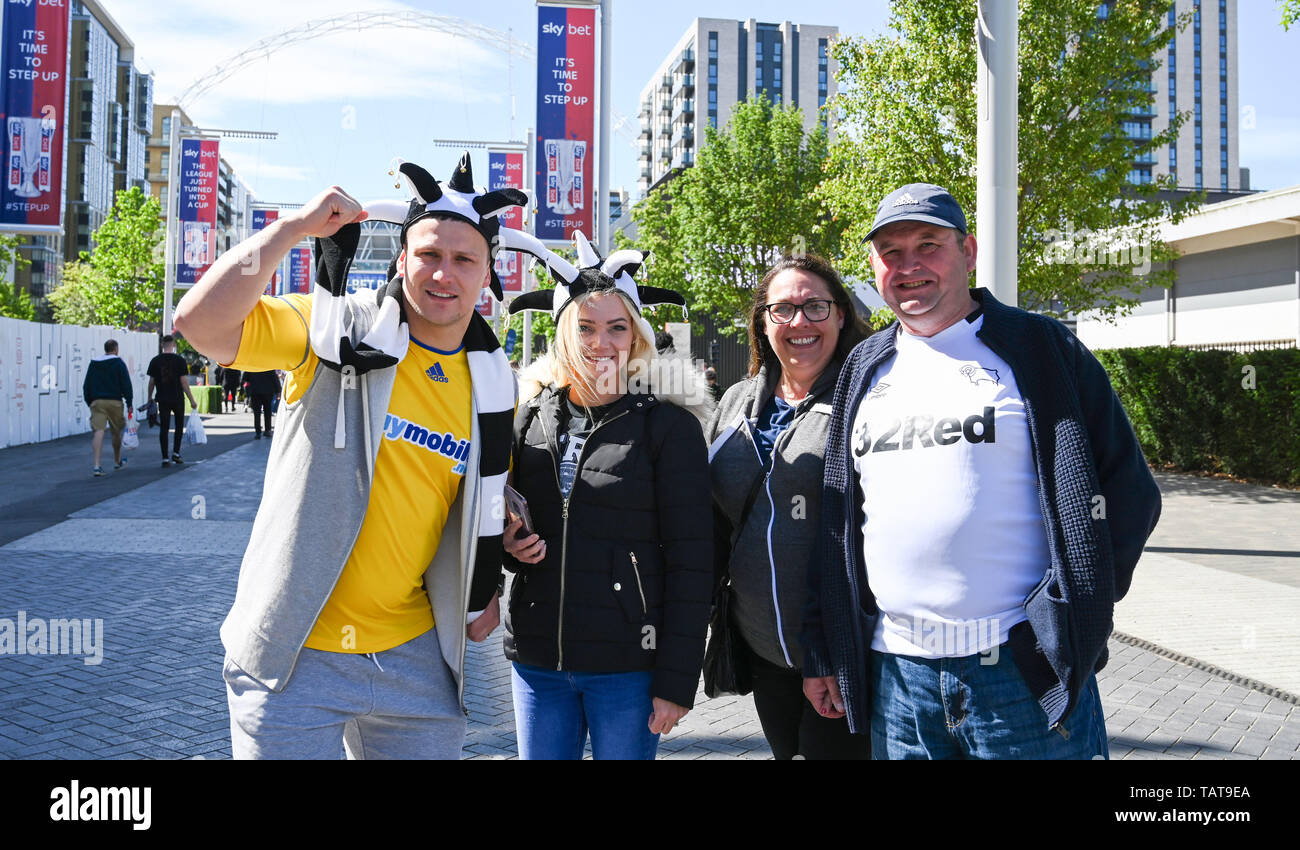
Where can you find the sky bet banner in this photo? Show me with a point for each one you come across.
(300, 270)
(261, 218)
(33, 96)
(566, 111)
(198, 211)
(506, 170)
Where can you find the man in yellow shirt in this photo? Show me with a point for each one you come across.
(376, 550)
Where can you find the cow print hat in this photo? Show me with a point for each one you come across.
(596, 275)
(385, 343)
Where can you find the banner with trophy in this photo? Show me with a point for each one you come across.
(198, 209)
(34, 97)
(566, 112)
(506, 170)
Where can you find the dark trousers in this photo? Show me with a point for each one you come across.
(790, 723)
(165, 411)
(261, 404)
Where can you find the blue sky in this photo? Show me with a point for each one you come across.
(346, 104)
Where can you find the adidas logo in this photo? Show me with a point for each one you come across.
(435, 372)
(905, 200)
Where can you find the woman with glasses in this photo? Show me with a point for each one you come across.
(766, 455)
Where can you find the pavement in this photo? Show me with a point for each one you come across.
(1204, 660)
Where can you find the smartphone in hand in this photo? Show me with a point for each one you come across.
(517, 508)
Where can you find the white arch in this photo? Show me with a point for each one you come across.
(505, 42)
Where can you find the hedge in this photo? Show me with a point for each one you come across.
(1213, 411)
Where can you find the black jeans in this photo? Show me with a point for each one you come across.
(261, 403)
(790, 723)
(165, 411)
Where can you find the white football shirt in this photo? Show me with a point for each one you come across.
(954, 535)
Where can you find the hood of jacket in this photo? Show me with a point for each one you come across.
(673, 378)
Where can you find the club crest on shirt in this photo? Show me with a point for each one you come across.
(976, 374)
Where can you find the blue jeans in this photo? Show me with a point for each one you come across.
(955, 708)
(555, 709)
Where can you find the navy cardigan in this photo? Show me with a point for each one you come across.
(1098, 498)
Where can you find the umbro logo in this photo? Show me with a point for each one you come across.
(435, 372)
(905, 200)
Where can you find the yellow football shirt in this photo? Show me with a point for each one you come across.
(379, 601)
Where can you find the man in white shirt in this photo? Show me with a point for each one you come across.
(966, 508)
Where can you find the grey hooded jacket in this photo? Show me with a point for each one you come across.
(313, 502)
(769, 563)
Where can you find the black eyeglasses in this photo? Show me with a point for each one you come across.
(784, 312)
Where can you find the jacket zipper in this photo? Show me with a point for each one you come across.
(564, 534)
(639, 589)
(781, 440)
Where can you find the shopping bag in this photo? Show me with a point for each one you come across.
(194, 430)
(130, 437)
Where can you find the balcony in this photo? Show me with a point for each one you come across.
(685, 136)
(645, 151)
(665, 131)
(646, 172)
(666, 83)
(686, 83)
(685, 110)
(685, 159)
(666, 107)
(685, 62)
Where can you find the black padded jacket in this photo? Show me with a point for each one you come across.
(627, 578)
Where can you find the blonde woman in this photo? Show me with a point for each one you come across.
(610, 600)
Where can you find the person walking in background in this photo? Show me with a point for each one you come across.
(767, 444)
(231, 381)
(610, 602)
(169, 388)
(107, 383)
(262, 388)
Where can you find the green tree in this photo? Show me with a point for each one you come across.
(126, 287)
(713, 230)
(908, 114)
(1290, 13)
(72, 302)
(15, 303)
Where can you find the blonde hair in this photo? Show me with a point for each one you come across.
(568, 366)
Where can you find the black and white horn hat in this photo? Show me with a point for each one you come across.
(595, 275)
(460, 198)
(385, 343)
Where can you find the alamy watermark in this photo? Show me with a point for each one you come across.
(25, 635)
(954, 638)
(1091, 248)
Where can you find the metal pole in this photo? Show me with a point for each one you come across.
(169, 252)
(531, 225)
(602, 227)
(997, 148)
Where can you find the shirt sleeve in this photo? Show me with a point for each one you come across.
(275, 335)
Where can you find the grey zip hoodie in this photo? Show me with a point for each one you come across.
(769, 564)
(313, 502)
